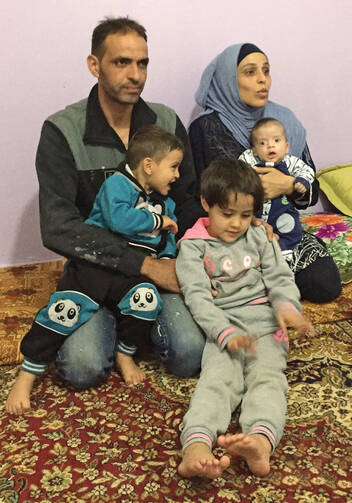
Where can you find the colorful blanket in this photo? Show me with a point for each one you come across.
(336, 232)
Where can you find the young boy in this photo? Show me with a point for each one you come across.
(133, 203)
(270, 148)
(245, 324)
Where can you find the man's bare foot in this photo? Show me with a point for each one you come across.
(130, 371)
(198, 460)
(255, 449)
(18, 400)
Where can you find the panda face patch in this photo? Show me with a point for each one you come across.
(65, 312)
(143, 299)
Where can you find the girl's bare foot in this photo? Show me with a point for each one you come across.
(18, 400)
(199, 460)
(255, 449)
(130, 371)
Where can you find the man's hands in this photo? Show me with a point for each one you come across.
(295, 320)
(274, 182)
(169, 225)
(162, 272)
(241, 342)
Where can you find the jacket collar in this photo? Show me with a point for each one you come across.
(98, 130)
(199, 230)
(154, 196)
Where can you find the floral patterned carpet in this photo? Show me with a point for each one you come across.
(336, 232)
(115, 443)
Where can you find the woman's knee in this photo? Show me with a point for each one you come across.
(320, 281)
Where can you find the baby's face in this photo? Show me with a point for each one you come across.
(270, 143)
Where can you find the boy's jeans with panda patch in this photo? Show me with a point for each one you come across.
(81, 292)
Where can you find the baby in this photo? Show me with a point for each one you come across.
(270, 148)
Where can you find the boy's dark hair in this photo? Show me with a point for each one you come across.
(263, 122)
(227, 176)
(151, 141)
(111, 25)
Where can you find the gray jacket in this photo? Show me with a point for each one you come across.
(247, 272)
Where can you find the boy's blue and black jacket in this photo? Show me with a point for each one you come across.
(123, 206)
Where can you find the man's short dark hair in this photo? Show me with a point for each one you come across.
(110, 26)
(151, 141)
(227, 176)
(263, 122)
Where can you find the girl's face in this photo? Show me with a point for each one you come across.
(231, 222)
(253, 78)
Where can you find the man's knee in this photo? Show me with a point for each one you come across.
(186, 365)
(87, 356)
(181, 357)
(82, 373)
(177, 339)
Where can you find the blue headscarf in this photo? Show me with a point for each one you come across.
(218, 91)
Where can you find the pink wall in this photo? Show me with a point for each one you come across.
(45, 43)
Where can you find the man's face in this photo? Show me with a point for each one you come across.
(270, 143)
(122, 71)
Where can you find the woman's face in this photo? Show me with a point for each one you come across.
(253, 78)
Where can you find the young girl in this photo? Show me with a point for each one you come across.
(245, 323)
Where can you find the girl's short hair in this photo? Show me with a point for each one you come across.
(227, 176)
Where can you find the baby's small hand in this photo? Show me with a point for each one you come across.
(169, 225)
(299, 187)
(242, 342)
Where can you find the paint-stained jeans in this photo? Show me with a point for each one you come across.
(87, 356)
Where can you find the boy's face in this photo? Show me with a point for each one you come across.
(230, 223)
(270, 143)
(165, 172)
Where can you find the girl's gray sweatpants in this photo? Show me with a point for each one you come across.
(226, 380)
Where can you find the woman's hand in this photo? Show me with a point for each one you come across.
(268, 229)
(274, 182)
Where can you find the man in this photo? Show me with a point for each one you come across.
(79, 147)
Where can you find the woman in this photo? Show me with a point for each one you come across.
(234, 91)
